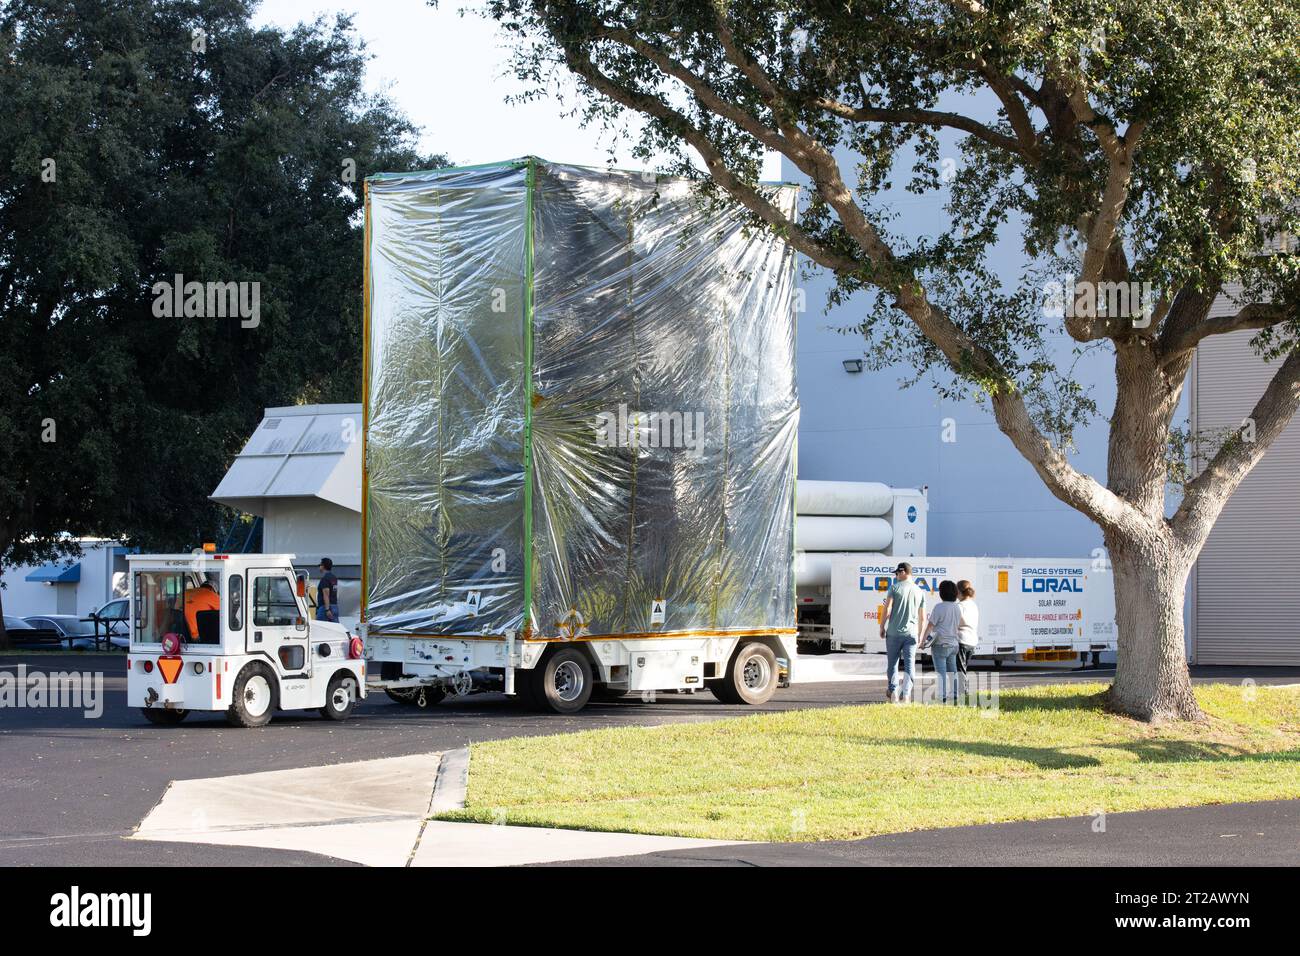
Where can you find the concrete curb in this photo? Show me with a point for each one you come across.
(451, 783)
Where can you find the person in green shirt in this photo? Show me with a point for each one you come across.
(901, 625)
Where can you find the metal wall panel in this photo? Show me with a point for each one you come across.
(1246, 599)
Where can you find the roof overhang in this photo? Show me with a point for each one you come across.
(306, 451)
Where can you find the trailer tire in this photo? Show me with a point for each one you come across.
(563, 681)
(340, 697)
(163, 717)
(405, 695)
(253, 697)
(751, 677)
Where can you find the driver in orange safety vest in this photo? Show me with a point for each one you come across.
(202, 598)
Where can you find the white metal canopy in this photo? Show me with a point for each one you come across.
(303, 451)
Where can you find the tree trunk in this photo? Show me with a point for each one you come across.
(5, 645)
(1151, 678)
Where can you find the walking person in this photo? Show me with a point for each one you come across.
(327, 593)
(941, 639)
(901, 621)
(967, 631)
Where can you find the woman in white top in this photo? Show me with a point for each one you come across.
(967, 631)
(941, 639)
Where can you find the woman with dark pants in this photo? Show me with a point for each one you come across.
(967, 632)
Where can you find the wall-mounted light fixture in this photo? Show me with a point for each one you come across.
(853, 366)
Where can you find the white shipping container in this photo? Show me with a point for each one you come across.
(1026, 605)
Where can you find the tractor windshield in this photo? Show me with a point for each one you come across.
(175, 602)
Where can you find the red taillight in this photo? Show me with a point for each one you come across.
(355, 648)
(171, 645)
(148, 667)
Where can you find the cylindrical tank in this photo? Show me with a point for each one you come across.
(841, 533)
(813, 568)
(868, 498)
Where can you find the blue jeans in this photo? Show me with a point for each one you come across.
(945, 668)
(327, 612)
(900, 647)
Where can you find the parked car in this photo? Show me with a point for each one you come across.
(22, 634)
(111, 619)
(78, 633)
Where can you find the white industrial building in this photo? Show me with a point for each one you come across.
(76, 585)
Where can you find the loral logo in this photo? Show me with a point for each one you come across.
(74, 909)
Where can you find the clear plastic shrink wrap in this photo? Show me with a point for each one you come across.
(587, 367)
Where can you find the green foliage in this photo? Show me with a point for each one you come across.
(223, 163)
(1212, 86)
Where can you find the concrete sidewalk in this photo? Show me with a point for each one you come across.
(373, 812)
(368, 812)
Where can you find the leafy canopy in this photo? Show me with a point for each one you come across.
(1199, 97)
(180, 139)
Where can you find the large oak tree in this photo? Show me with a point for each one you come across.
(141, 140)
(1128, 142)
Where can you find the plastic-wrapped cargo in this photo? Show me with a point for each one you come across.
(580, 407)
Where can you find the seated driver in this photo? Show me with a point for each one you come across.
(202, 598)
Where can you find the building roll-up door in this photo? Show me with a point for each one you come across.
(1246, 586)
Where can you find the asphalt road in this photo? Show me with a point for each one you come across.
(1233, 834)
(73, 787)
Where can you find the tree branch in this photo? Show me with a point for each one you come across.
(1205, 496)
(919, 117)
(1017, 115)
(1178, 340)
(959, 349)
(748, 196)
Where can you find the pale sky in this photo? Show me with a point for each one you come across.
(446, 72)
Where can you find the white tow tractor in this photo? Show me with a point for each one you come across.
(246, 650)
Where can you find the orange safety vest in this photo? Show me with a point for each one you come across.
(199, 599)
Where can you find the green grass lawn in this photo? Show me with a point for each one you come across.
(847, 772)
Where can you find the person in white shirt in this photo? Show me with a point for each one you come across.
(967, 631)
(942, 641)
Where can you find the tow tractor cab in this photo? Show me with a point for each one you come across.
(231, 633)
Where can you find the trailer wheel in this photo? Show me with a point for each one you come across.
(563, 681)
(751, 676)
(340, 698)
(253, 697)
(162, 717)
